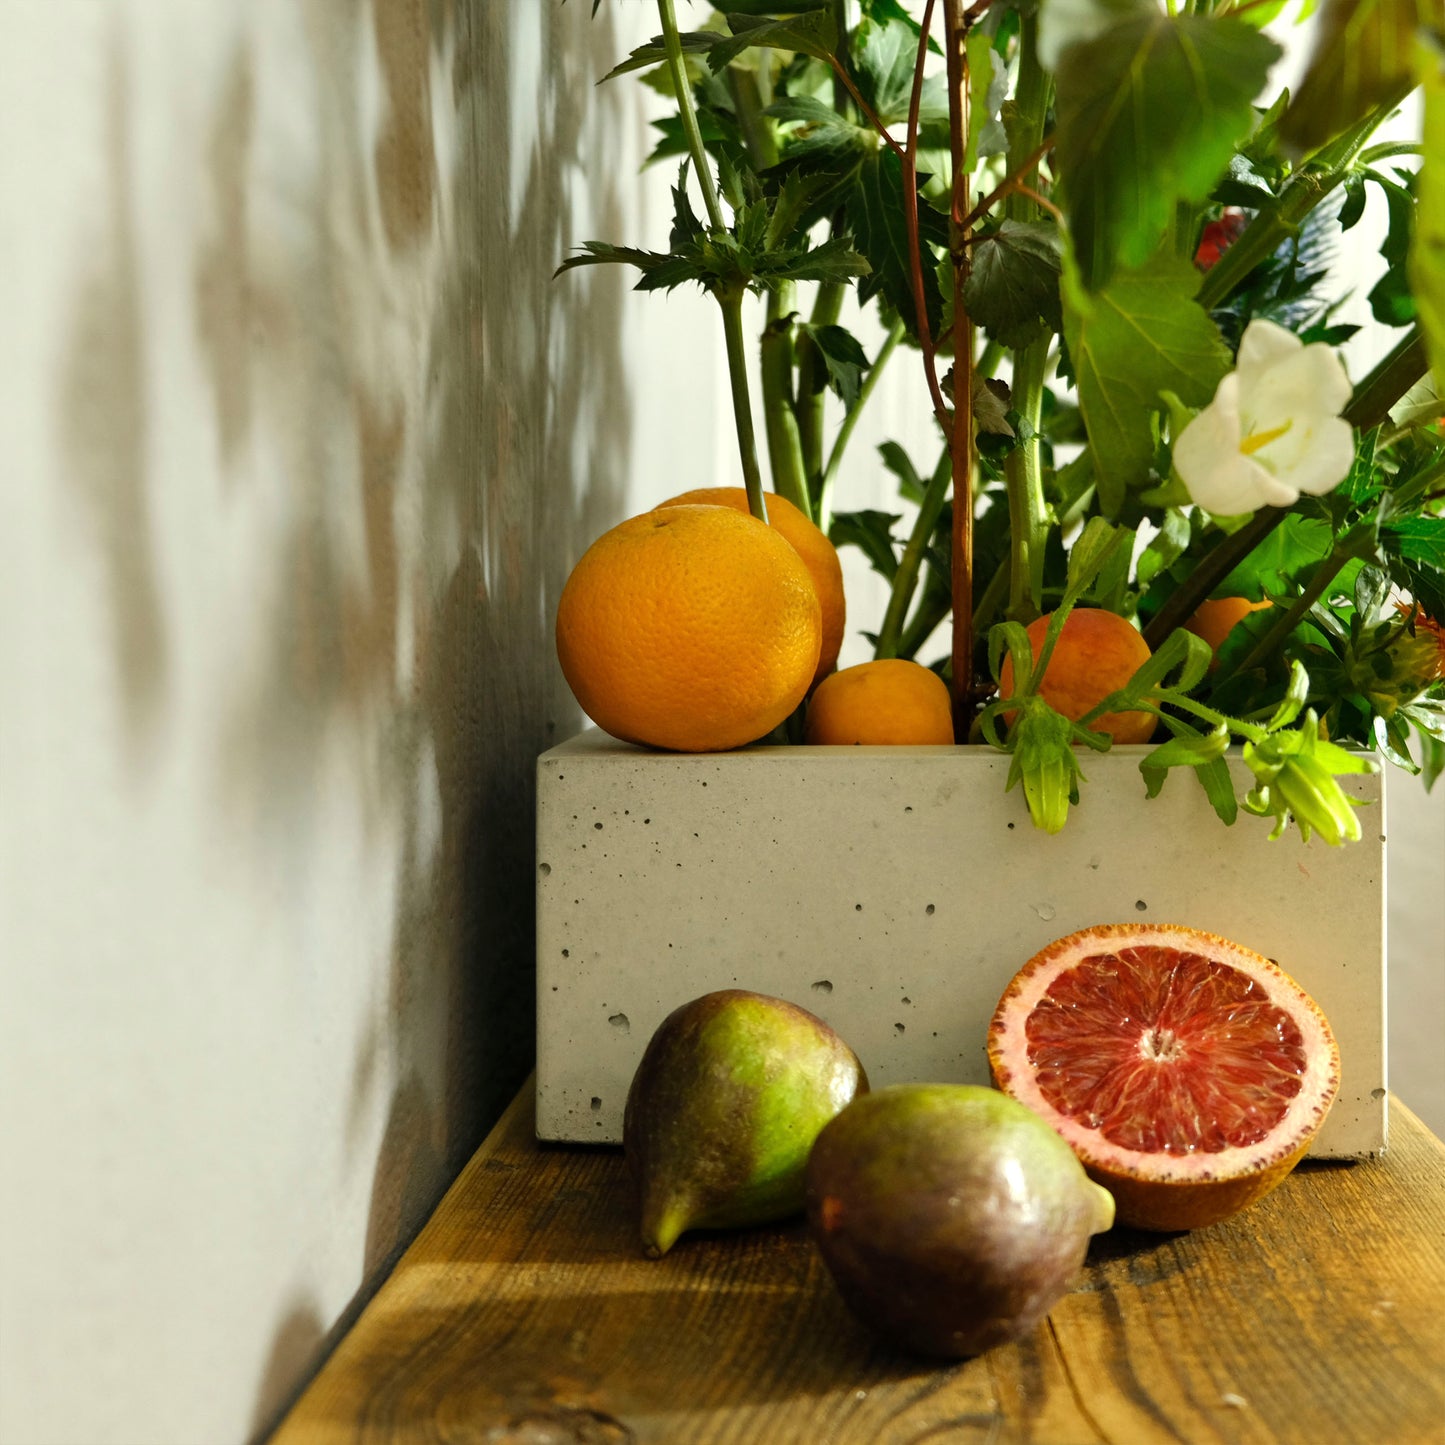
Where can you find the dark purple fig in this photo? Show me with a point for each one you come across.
(730, 1094)
(951, 1217)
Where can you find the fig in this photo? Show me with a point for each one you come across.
(723, 1109)
(950, 1216)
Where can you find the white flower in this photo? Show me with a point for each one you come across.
(1273, 430)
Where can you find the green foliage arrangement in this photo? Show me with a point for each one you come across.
(1109, 245)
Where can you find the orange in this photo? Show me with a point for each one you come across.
(693, 628)
(887, 701)
(1096, 654)
(1215, 619)
(812, 545)
(1189, 1074)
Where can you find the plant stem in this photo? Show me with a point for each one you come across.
(1023, 469)
(961, 435)
(1346, 548)
(850, 420)
(1388, 382)
(933, 607)
(677, 69)
(1024, 478)
(905, 580)
(1304, 190)
(910, 221)
(1368, 406)
(813, 380)
(780, 421)
(731, 301)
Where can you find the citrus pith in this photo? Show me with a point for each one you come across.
(889, 701)
(1097, 652)
(819, 556)
(694, 628)
(1188, 1073)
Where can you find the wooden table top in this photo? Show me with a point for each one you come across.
(525, 1314)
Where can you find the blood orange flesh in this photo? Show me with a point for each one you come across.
(1188, 1073)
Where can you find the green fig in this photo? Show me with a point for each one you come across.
(950, 1216)
(730, 1094)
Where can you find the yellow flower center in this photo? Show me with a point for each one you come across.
(1255, 440)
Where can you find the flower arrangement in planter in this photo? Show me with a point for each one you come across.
(1105, 245)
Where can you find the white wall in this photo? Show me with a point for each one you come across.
(300, 439)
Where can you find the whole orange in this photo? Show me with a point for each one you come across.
(691, 628)
(812, 545)
(1213, 620)
(890, 701)
(1096, 654)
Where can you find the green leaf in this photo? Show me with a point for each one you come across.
(1296, 545)
(910, 484)
(1148, 114)
(1142, 335)
(833, 260)
(1364, 55)
(875, 207)
(1066, 23)
(660, 268)
(981, 62)
(882, 55)
(812, 34)
(1417, 539)
(845, 358)
(1391, 303)
(1427, 258)
(1013, 285)
(872, 533)
(694, 42)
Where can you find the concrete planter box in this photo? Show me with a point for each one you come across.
(894, 892)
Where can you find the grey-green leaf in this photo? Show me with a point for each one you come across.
(1013, 285)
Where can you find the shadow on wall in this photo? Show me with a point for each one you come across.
(437, 428)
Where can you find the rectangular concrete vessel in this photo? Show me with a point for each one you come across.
(894, 892)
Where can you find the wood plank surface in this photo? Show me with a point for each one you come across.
(525, 1314)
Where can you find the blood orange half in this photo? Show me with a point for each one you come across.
(1188, 1074)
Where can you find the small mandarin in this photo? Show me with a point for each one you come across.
(1215, 619)
(691, 628)
(889, 701)
(811, 544)
(1097, 653)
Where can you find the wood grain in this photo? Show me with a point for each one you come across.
(525, 1314)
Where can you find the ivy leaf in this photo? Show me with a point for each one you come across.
(1364, 54)
(1391, 303)
(1013, 284)
(1148, 114)
(812, 34)
(872, 533)
(875, 208)
(694, 42)
(845, 359)
(1142, 335)
(1427, 257)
